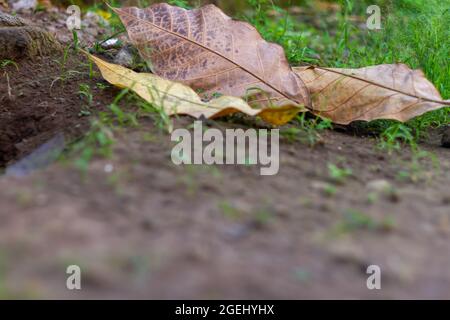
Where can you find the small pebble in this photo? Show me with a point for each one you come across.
(111, 43)
(379, 186)
(124, 57)
(108, 168)
(24, 5)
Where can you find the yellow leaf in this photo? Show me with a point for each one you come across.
(104, 14)
(176, 98)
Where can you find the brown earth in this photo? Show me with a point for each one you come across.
(39, 98)
(151, 229)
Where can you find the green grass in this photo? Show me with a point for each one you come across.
(86, 92)
(97, 142)
(354, 220)
(337, 174)
(6, 62)
(306, 130)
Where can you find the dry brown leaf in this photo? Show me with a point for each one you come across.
(176, 98)
(210, 52)
(389, 91)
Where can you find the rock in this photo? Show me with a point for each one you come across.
(19, 39)
(446, 138)
(91, 19)
(125, 57)
(111, 43)
(21, 5)
(385, 188)
(40, 158)
(7, 20)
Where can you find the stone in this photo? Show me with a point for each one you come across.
(111, 43)
(379, 186)
(19, 39)
(24, 5)
(91, 19)
(125, 57)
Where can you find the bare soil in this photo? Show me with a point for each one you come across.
(39, 98)
(151, 229)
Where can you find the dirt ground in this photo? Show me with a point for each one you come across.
(151, 229)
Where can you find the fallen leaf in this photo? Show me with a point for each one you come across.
(176, 98)
(389, 91)
(208, 51)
